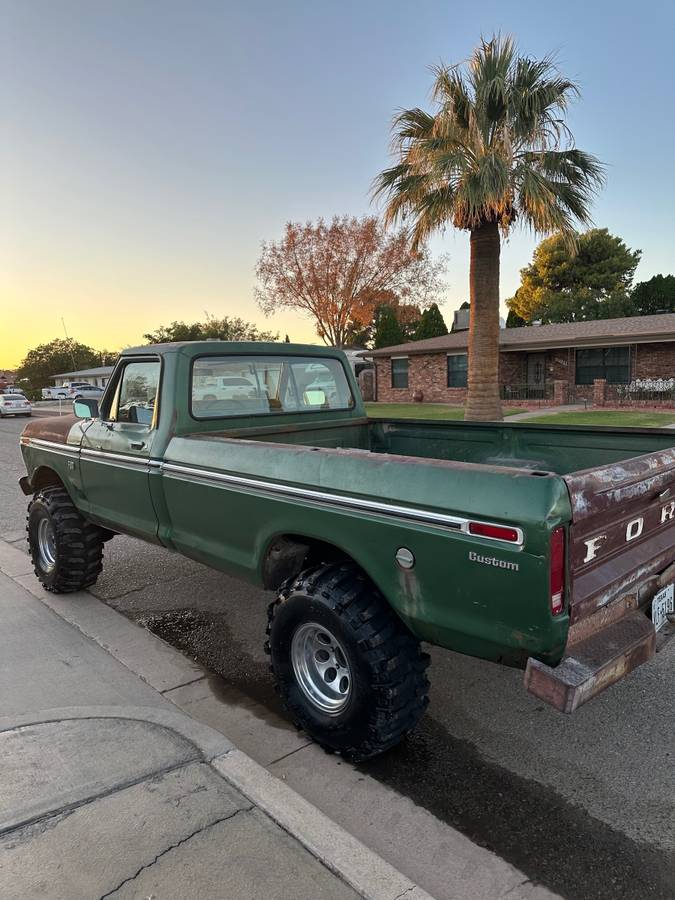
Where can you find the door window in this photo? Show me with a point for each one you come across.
(138, 391)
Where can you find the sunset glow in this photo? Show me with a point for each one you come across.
(148, 149)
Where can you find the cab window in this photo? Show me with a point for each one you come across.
(256, 385)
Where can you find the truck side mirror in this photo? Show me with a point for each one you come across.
(85, 408)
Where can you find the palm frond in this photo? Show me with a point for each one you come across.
(495, 149)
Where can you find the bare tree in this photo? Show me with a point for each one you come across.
(339, 272)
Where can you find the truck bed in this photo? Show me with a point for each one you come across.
(544, 448)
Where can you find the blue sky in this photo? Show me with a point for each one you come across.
(150, 146)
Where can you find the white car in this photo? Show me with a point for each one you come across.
(14, 404)
(225, 388)
(75, 391)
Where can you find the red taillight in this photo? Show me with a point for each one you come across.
(499, 532)
(557, 571)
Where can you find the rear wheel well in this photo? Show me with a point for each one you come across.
(289, 554)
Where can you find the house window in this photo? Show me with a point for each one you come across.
(399, 372)
(611, 363)
(457, 367)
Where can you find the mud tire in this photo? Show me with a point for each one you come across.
(389, 690)
(77, 544)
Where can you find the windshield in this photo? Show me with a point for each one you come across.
(255, 385)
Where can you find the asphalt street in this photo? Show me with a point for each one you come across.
(583, 804)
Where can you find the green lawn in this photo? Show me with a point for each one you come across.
(422, 411)
(618, 418)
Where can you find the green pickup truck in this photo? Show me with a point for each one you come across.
(547, 548)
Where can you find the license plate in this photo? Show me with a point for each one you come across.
(662, 606)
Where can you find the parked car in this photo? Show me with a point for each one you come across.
(76, 391)
(14, 404)
(549, 548)
(12, 389)
(224, 388)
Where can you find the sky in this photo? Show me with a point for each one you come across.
(149, 146)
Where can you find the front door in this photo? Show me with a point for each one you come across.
(536, 375)
(115, 451)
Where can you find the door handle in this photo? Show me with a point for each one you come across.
(137, 445)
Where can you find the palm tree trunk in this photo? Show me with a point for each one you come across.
(483, 403)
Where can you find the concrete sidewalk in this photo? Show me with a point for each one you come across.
(547, 411)
(108, 790)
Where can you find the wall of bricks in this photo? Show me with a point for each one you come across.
(654, 360)
(427, 374)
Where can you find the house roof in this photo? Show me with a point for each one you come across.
(82, 373)
(599, 332)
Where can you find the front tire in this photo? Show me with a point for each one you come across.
(66, 550)
(350, 673)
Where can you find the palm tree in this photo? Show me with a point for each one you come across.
(495, 152)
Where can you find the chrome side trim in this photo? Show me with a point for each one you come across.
(109, 458)
(52, 446)
(106, 457)
(413, 514)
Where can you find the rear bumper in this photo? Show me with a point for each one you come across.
(602, 650)
(594, 664)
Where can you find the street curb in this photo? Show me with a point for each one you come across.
(357, 865)
(353, 862)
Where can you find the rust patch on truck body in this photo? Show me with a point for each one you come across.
(50, 428)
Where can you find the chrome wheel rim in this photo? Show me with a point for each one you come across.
(321, 668)
(46, 540)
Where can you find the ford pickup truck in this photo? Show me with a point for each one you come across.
(547, 548)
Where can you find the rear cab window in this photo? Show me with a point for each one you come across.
(224, 386)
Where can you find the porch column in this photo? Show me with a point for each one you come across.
(599, 391)
(560, 392)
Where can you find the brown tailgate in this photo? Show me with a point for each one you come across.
(623, 529)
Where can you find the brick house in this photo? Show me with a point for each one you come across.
(605, 361)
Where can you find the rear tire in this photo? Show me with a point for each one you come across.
(331, 624)
(66, 550)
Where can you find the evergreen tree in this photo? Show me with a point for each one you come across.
(575, 284)
(388, 330)
(513, 320)
(654, 296)
(431, 324)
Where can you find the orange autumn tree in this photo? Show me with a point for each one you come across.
(338, 272)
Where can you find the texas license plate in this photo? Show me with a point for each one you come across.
(662, 606)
